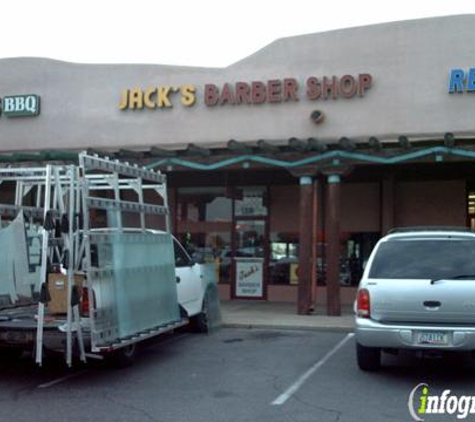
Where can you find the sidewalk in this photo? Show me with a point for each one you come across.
(257, 314)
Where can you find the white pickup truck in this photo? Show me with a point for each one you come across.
(196, 292)
(194, 289)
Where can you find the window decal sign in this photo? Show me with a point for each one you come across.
(249, 277)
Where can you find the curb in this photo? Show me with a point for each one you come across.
(336, 329)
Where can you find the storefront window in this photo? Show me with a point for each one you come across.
(250, 238)
(356, 250)
(283, 258)
(204, 225)
(471, 210)
(251, 202)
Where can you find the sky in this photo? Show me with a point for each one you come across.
(205, 33)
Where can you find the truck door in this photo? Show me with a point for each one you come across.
(188, 277)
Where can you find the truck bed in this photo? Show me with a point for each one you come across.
(24, 318)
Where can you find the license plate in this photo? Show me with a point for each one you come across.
(432, 337)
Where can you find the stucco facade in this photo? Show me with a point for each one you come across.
(389, 145)
(409, 63)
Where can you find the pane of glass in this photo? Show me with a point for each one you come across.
(17, 277)
(424, 259)
(283, 258)
(356, 250)
(135, 284)
(250, 238)
(204, 224)
(252, 203)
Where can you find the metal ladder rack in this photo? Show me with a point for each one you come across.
(76, 192)
(119, 179)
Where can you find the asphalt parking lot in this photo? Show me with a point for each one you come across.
(231, 375)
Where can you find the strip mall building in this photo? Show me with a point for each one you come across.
(286, 167)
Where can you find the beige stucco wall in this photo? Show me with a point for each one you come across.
(409, 62)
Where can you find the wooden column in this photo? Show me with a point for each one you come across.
(307, 245)
(387, 205)
(332, 238)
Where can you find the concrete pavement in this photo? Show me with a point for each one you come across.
(262, 314)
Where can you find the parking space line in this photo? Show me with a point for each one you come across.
(76, 374)
(301, 380)
(60, 380)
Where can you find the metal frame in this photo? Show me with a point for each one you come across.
(112, 179)
(59, 191)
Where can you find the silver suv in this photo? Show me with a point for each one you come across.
(417, 292)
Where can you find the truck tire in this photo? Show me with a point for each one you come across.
(200, 322)
(368, 358)
(125, 356)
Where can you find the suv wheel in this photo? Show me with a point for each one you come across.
(369, 358)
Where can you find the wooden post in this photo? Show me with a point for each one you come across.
(332, 238)
(307, 245)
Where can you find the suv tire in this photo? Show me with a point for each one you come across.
(369, 358)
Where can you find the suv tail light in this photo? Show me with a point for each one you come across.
(363, 304)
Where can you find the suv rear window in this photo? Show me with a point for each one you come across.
(424, 259)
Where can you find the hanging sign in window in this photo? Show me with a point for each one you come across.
(249, 277)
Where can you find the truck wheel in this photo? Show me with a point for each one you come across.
(369, 358)
(125, 356)
(200, 322)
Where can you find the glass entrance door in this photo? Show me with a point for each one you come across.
(250, 238)
(250, 263)
(250, 243)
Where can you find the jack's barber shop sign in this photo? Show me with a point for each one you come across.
(249, 277)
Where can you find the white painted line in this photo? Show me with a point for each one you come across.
(60, 380)
(297, 384)
(76, 374)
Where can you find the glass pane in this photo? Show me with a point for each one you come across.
(17, 276)
(250, 238)
(134, 284)
(356, 250)
(204, 224)
(252, 203)
(424, 259)
(284, 258)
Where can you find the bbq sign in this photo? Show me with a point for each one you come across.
(20, 105)
(272, 91)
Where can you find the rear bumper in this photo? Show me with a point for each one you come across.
(25, 338)
(371, 333)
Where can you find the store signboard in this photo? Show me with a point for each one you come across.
(273, 91)
(21, 105)
(461, 80)
(249, 277)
